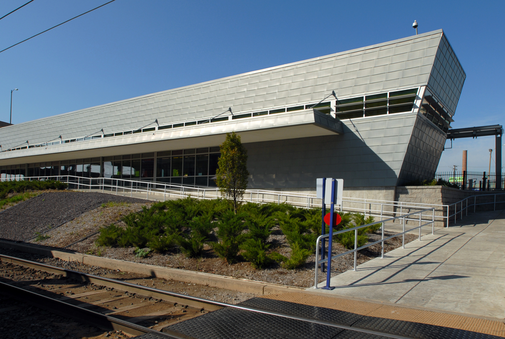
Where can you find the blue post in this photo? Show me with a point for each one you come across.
(330, 238)
(323, 226)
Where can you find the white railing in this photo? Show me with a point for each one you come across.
(421, 223)
(461, 208)
(369, 207)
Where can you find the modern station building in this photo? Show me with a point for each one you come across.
(376, 116)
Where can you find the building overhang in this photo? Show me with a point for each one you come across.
(281, 126)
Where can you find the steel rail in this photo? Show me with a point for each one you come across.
(183, 299)
(97, 319)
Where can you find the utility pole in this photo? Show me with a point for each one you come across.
(454, 167)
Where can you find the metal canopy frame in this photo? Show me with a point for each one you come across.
(482, 131)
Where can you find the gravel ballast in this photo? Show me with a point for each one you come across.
(47, 211)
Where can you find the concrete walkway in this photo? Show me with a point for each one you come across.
(458, 269)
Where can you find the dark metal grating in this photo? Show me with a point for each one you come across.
(236, 323)
(304, 311)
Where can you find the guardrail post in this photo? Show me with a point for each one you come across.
(355, 248)
(494, 205)
(447, 217)
(403, 233)
(131, 189)
(433, 222)
(382, 243)
(147, 195)
(474, 203)
(420, 219)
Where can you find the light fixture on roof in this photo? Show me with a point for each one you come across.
(414, 25)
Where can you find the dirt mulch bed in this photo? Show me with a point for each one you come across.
(78, 231)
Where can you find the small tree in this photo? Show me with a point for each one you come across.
(231, 176)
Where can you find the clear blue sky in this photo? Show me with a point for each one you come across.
(132, 47)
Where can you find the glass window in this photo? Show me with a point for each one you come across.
(94, 171)
(108, 169)
(189, 180)
(163, 168)
(127, 168)
(71, 168)
(147, 168)
(176, 167)
(189, 165)
(213, 159)
(201, 181)
(202, 163)
(136, 168)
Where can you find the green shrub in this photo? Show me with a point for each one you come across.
(191, 245)
(347, 239)
(297, 259)
(297, 232)
(162, 244)
(230, 236)
(255, 251)
(202, 226)
(109, 236)
(260, 226)
(142, 252)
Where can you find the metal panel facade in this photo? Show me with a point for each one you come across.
(381, 150)
(376, 68)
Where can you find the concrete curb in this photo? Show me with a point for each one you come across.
(242, 285)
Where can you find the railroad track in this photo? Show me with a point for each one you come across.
(139, 310)
(106, 303)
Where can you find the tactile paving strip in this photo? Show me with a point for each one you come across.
(236, 323)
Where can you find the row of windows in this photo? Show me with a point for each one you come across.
(190, 167)
(323, 107)
(378, 104)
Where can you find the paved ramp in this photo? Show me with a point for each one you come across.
(458, 269)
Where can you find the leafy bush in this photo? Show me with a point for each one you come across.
(297, 259)
(255, 251)
(109, 236)
(230, 236)
(191, 245)
(347, 239)
(297, 232)
(142, 252)
(162, 244)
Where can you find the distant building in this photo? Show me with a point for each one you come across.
(375, 116)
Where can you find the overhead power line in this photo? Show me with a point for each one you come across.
(16, 9)
(64, 22)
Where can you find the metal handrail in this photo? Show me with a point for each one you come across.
(369, 207)
(383, 239)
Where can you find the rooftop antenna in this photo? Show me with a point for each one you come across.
(414, 25)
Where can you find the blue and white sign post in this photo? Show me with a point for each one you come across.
(330, 191)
